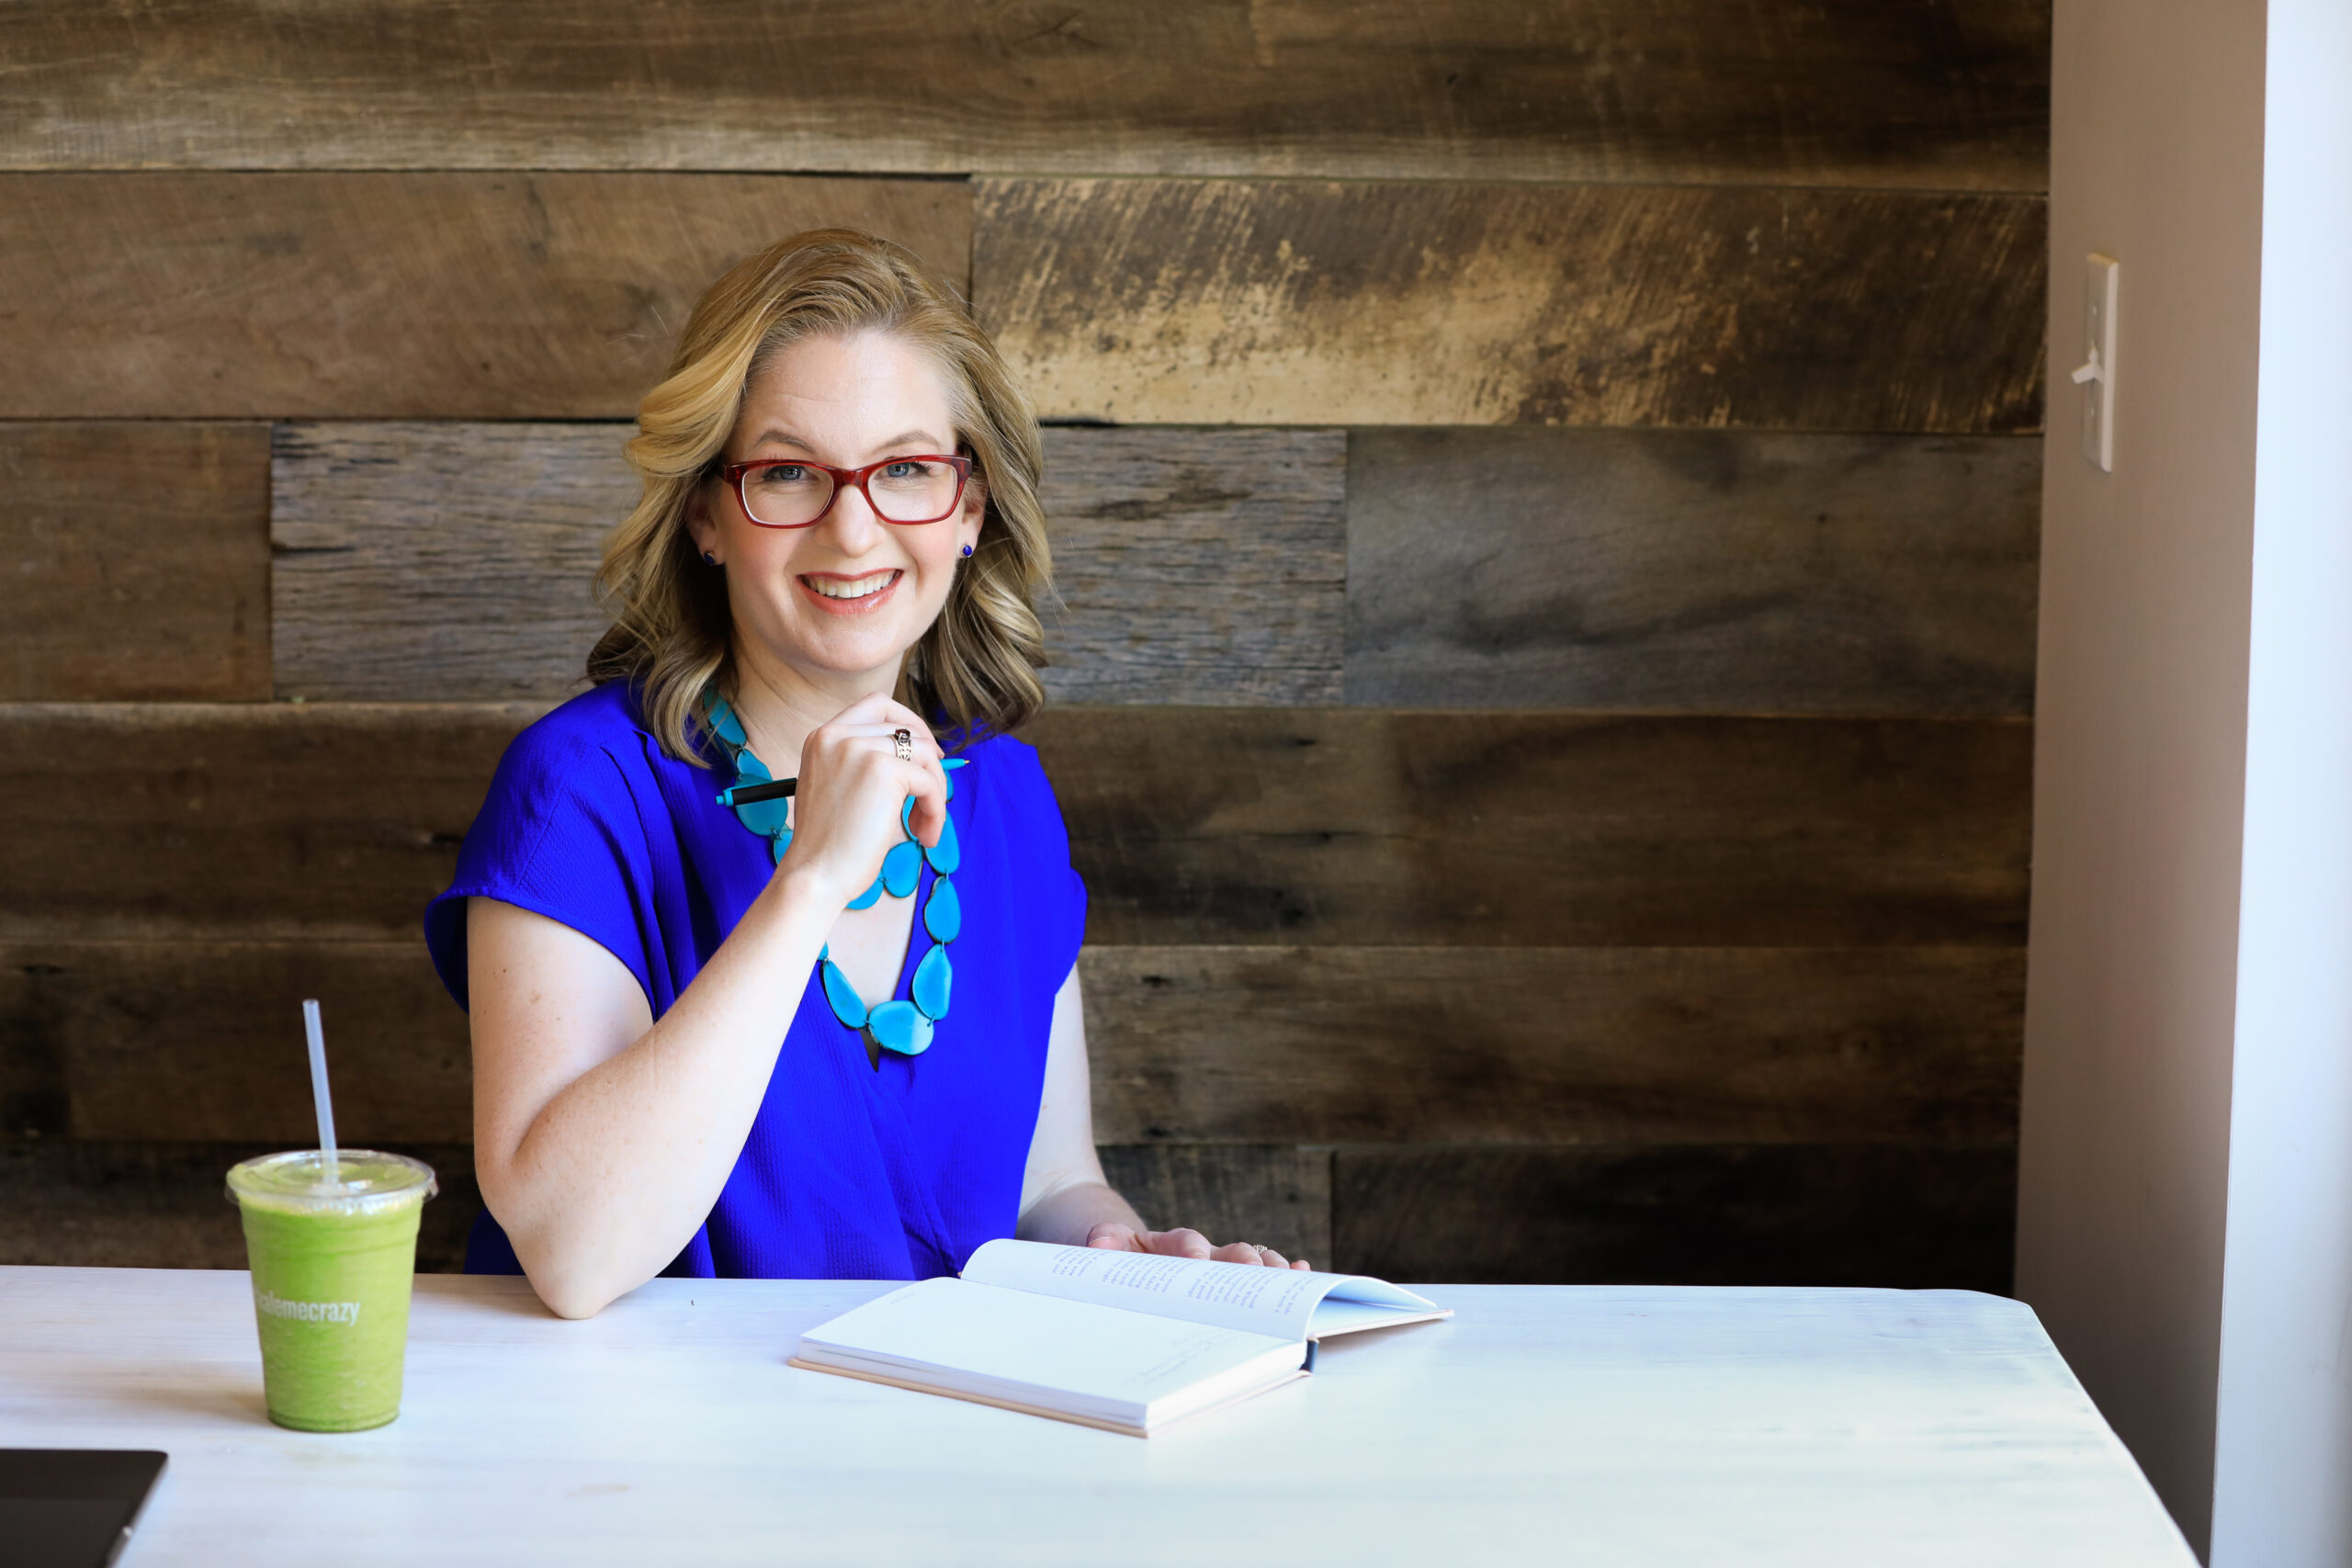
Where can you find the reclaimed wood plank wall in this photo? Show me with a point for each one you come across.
(1546, 501)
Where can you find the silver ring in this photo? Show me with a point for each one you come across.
(904, 740)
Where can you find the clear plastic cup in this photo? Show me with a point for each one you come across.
(332, 1267)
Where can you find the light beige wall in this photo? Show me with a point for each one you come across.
(2282, 1460)
(2156, 159)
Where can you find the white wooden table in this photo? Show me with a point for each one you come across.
(1628, 1426)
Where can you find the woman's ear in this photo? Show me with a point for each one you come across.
(974, 514)
(701, 526)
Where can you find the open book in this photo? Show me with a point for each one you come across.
(1113, 1339)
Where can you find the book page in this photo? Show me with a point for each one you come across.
(1019, 1345)
(1279, 1301)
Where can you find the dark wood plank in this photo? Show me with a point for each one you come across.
(440, 562)
(40, 1027)
(390, 296)
(1379, 827)
(1913, 1216)
(136, 560)
(1190, 825)
(1308, 302)
(204, 1039)
(1190, 1044)
(147, 1205)
(249, 820)
(1196, 565)
(1559, 1045)
(1896, 91)
(452, 561)
(1274, 1196)
(1692, 571)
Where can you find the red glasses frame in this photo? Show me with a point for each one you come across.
(846, 479)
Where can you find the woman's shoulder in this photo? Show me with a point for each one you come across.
(593, 755)
(1012, 770)
(1009, 787)
(603, 718)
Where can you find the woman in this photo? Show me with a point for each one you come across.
(714, 1039)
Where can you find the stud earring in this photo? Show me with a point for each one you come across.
(709, 559)
(968, 549)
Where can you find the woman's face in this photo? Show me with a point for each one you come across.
(849, 594)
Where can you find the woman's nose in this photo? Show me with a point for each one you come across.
(856, 527)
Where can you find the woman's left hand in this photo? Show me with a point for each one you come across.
(1118, 1237)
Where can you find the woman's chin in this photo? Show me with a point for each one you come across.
(840, 647)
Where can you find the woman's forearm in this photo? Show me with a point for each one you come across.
(1068, 1215)
(612, 1176)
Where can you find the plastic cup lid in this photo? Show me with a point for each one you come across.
(366, 1180)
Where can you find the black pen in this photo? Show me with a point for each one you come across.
(782, 789)
(748, 794)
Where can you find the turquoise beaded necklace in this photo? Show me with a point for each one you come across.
(904, 1027)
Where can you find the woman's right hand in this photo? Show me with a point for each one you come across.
(852, 786)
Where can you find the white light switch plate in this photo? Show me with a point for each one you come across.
(2098, 337)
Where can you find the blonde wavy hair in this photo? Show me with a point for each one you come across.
(672, 632)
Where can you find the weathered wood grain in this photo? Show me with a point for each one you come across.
(136, 560)
(443, 562)
(1310, 302)
(1379, 827)
(440, 562)
(1191, 825)
(1912, 1215)
(1692, 571)
(390, 296)
(244, 820)
(1196, 565)
(203, 1040)
(1895, 92)
(1273, 1196)
(163, 1205)
(1554, 1046)
(39, 1030)
(1240, 1046)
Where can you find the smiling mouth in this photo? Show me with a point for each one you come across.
(851, 588)
(850, 595)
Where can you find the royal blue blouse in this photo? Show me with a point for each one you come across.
(848, 1173)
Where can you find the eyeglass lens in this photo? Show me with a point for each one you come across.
(791, 495)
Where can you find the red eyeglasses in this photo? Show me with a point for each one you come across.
(785, 492)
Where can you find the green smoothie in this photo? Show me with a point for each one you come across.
(332, 1265)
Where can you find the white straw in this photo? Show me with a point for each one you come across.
(319, 1090)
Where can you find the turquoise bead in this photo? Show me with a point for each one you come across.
(749, 769)
(933, 978)
(848, 1006)
(868, 899)
(942, 913)
(724, 723)
(764, 817)
(897, 1026)
(907, 817)
(900, 867)
(777, 845)
(946, 855)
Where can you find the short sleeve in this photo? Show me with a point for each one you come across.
(1050, 895)
(560, 835)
